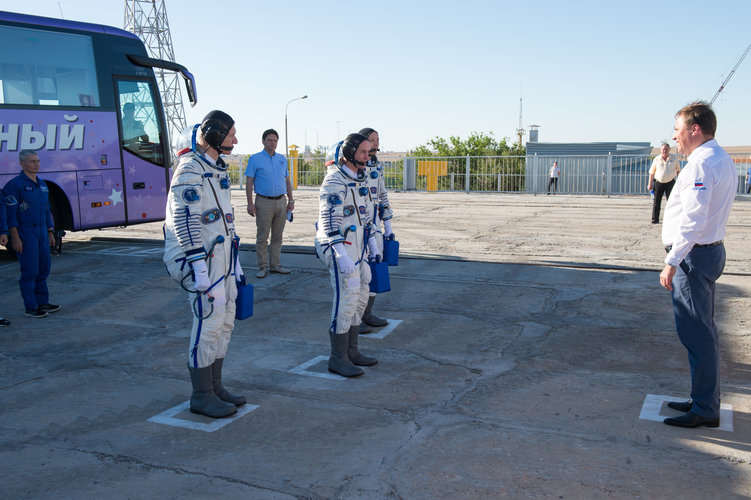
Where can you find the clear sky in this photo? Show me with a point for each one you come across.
(588, 70)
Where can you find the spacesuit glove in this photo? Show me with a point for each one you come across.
(201, 278)
(373, 249)
(387, 228)
(346, 266)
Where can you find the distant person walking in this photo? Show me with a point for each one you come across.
(268, 175)
(553, 175)
(748, 180)
(693, 231)
(665, 168)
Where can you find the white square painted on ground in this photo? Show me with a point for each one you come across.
(303, 369)
(168, 417)
(652, 406)
(393, 323)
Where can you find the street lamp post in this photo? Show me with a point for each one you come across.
(286, 140)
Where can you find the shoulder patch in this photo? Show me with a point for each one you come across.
(334, 199)
(191, 195)
(210, 216)
(10, 200)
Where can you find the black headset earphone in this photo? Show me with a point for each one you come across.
(214, 132)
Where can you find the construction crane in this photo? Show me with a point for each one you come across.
(730, 75)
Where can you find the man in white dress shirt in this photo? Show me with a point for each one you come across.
(693, 230)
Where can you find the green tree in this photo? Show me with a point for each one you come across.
(477, 144)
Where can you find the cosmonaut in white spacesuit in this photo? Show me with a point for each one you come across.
(343, 242)
(381, 209)
(201, 253)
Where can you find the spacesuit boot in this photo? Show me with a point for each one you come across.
(364, 328)
(368, 318)
(339, 360)
(219, 390)
(354, 355)
(203, 400)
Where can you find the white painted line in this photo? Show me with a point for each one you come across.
(168, 418)
(131, 251)
(652, 406)
(303, 369)
(393, 323)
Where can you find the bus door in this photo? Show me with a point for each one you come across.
(143, 145)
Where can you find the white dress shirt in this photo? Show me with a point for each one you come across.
(699, 206)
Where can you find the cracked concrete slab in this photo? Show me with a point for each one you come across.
(525, 352)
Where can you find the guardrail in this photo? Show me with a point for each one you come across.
(579, 174)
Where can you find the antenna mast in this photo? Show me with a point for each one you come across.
(148, 20)
(520, 130)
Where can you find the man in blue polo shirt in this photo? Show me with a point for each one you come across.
(267, 174)
(32, 233)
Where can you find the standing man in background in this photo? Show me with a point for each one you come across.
(267, 174)
(553, 175)
(695, 219)
(662, 176)
(381, 212)
(32, 233)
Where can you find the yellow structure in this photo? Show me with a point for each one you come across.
(432, 169)
(292, 160)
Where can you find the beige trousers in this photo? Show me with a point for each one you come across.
(271, 215)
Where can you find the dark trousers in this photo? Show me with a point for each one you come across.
(693, 307)
(553, 182)
(660, 189)
(35, 266)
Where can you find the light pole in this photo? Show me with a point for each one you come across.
(286, 140)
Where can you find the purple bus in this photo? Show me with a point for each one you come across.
(85, 98)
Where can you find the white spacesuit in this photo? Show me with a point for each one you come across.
(201, 253)
(343, 242)
(199, 217)
(381, 212)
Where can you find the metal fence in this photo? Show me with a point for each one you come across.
(592, 174)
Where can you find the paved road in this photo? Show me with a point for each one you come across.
(497, 379)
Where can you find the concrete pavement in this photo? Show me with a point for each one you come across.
(523, 377)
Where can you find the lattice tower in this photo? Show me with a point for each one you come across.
(148, 20)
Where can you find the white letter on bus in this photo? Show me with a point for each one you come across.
(70, 136)
(30, 138)
(10, 137)
(51, 137)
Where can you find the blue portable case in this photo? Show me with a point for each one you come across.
(391, 251)
(379, 277)
(244, 301)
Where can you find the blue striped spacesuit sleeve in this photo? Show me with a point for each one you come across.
(187, 191)
(331, 206)
(384, 207)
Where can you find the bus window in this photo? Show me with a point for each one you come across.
(47, 68)
(142, 133)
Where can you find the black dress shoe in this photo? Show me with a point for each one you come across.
(684, 406)
(692, 420)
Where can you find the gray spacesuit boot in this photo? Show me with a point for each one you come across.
(219, 390)
(203, 400)
(368, 318)
(354, 355)
(364, 328)
(339, 360)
